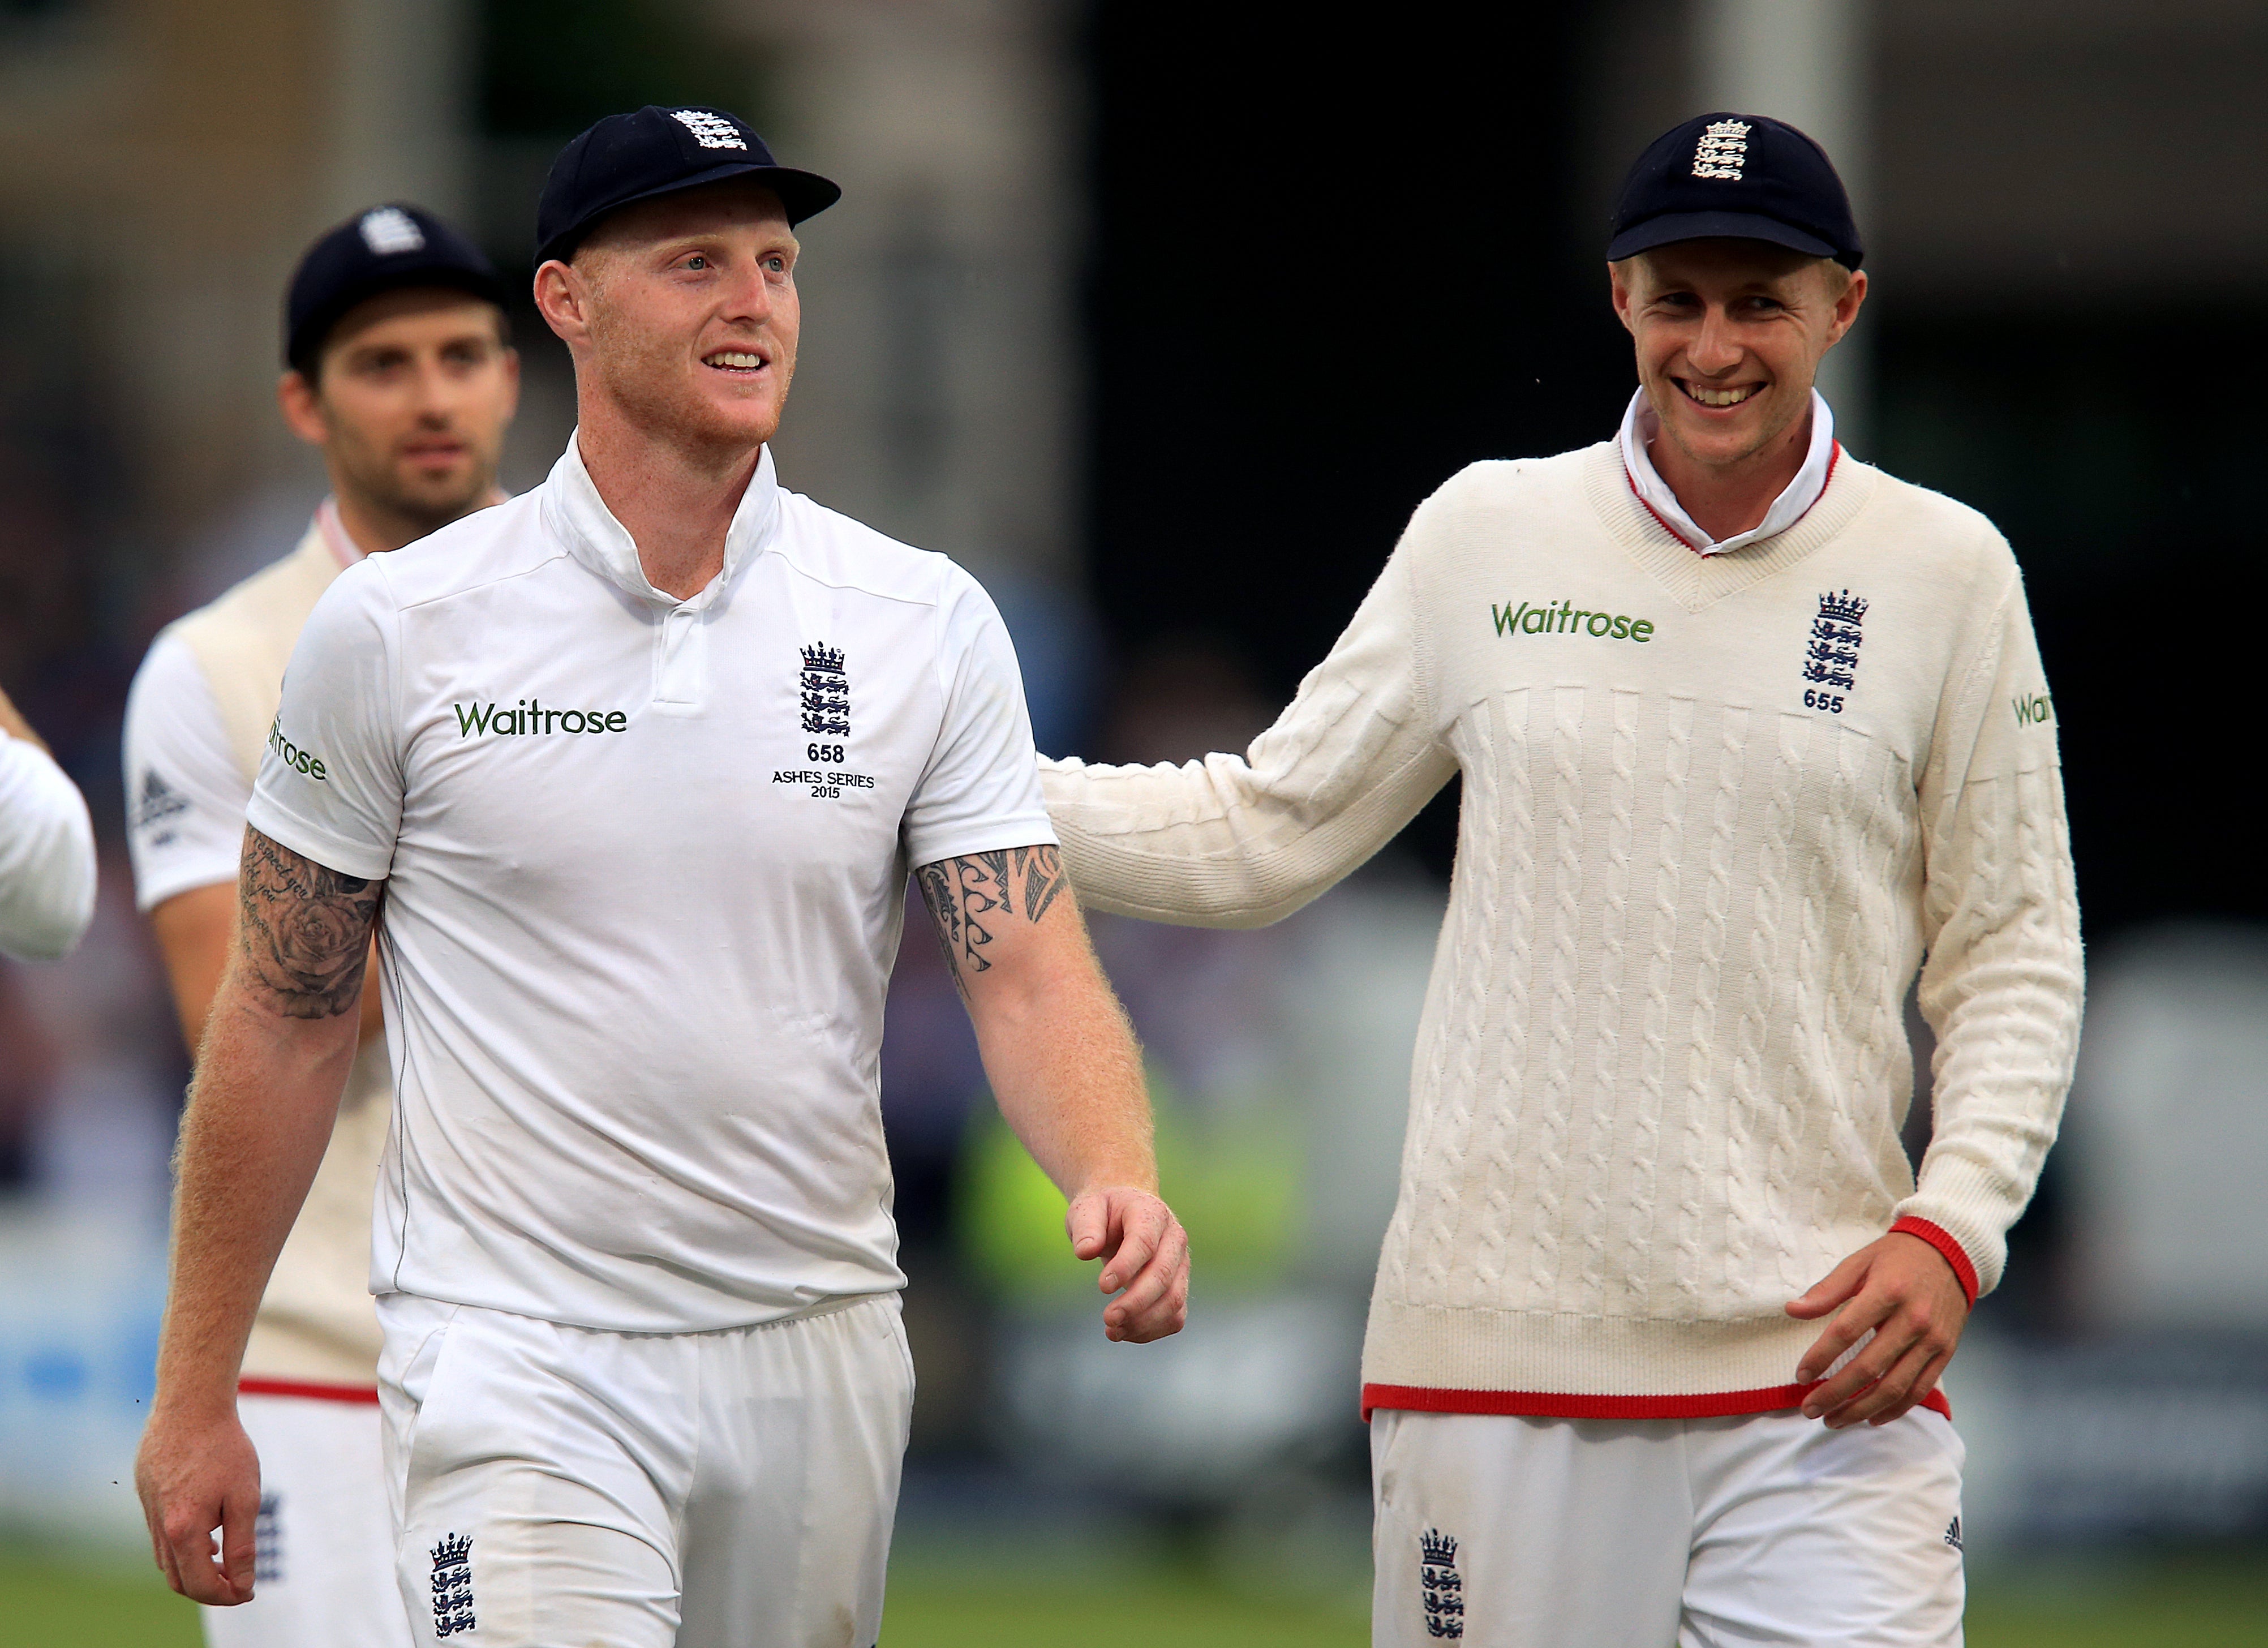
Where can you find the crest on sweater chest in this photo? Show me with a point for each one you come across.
(1830, 650)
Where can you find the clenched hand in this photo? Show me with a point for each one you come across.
(196, 1474)
(1144, 1252)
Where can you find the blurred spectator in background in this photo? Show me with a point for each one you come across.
(47, 847)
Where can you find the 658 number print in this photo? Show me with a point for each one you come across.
(1815, 700)
(833, 752)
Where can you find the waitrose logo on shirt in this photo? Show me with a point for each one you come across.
(299, 759)
(1564, 617)
(528, 718)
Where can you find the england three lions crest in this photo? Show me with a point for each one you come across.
(1444, 1587)
(1830, 652)
(453, 1586)
(1722, 150)
(825, 693)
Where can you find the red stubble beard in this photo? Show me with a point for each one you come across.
(659, 386)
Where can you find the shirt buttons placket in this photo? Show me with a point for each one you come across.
(678, 670)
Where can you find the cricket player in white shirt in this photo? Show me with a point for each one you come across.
(635, 765)
(1752, 735)
(400, 370)
(47, 848)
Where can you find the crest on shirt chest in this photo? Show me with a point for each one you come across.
(826, 692)
(1830, 651)
(823, 702)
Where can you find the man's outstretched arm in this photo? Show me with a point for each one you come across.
(276, 1051)
(1064, 1067)
(1242, 841)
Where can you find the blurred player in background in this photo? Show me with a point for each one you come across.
(47, 848)
(400, 371)
(638, 764)
(1749, 732)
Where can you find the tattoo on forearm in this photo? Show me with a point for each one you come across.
(968, 899)
(302, 931)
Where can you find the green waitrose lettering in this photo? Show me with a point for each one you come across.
(530, 718)
(1564, 617)
(298, 759)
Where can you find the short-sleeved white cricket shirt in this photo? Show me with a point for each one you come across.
(645, 863)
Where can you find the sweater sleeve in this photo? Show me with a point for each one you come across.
(2001, 986)
(1243, 840)
(47, 855)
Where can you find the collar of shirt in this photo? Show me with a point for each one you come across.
(573, 510)
(1641, 426)
(334, 533)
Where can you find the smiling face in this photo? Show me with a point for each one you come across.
(682, 314)
(1730, 337)
(411, 395)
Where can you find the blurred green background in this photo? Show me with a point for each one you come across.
(2193, 1601)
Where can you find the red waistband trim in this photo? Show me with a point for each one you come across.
(1956, 1255)
(309, 1390)
(1582, 1405)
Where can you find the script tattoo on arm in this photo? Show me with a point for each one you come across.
(969, 898)
(302, 931)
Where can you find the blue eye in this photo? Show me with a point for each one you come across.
(696, 261)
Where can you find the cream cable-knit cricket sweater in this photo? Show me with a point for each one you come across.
(1716, 810)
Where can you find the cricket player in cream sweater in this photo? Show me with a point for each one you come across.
(1751, 732)
(399, 369)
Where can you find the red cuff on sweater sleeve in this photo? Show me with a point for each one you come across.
(1963, 1272)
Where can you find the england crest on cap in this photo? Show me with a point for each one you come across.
(711, 131)
(389, 231)
(1723, 145)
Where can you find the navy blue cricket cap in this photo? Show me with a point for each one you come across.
(1742, 177)
(657, 151)
(374, 252)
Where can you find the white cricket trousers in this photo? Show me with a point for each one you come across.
(560, 1487)
(325, 1575)
(1515, 1533)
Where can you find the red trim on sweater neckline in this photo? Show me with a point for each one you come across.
(309, 1390)
(1834, 457)
(1631, 481)
(1583, 1405)
(1965, 1270)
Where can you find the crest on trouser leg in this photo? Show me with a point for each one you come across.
(453, 1586)
(1444, 1588)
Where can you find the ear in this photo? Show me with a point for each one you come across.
(562, 298)
(302, 409)
(1618, 285)
(1847, 307)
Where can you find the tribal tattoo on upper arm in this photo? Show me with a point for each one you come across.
(302, 931)
(969, 897)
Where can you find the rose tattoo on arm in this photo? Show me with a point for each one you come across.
(302, 931)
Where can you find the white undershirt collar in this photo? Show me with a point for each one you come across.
(1639, 427)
